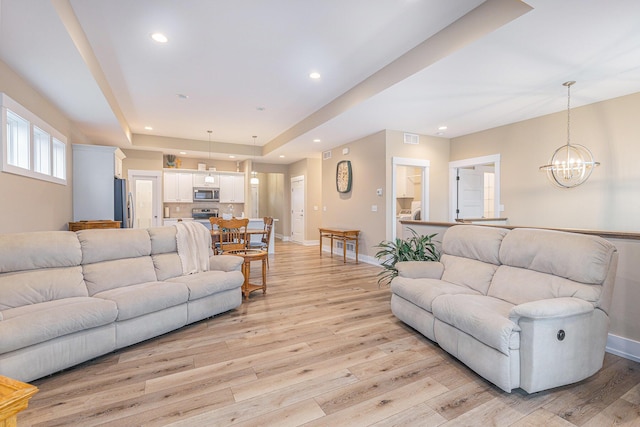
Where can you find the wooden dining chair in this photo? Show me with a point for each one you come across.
(232, 234)
(263, 243)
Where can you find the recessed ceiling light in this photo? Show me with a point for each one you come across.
(159, 37)
(182, 96)
(314, 75)
(183, 153)
(148, 128)
(282, 156)
(232, 157)
(316, 140)
(442, 128)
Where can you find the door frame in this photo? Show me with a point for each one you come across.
(424, 197)
(475, 161)
(157, 221)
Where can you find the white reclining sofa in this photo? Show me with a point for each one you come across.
(523, 308)
(67, 297)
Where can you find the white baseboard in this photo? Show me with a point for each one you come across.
(623, 347)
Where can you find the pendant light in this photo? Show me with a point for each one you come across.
(254, 175)
(571, 164)
(209, 179)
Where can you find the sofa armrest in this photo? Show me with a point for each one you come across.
(551, 308)
(420, 269)
(225, 262)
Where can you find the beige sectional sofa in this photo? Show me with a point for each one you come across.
(67, 297)
(523, 308)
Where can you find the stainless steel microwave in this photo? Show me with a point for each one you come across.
(206, 194)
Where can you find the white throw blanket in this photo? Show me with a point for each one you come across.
(194, 245)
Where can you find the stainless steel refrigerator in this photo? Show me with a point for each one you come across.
(123, 206)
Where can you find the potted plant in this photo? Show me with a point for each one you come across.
(414, 248)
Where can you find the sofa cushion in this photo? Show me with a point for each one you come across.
(103, 276)
(167, 265)
(144, 298)
(209, 282)
(468, 272)
(37, 286)
(519, 285)
(484, 318)
(110, 244)
(33, 324)
(474, 241)
(578, 257)
(42, 249)
(422, 292)
(163, 239)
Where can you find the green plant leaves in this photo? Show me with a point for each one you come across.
(415, 248)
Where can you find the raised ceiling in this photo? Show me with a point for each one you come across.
(410, 65)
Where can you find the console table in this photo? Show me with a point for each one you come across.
(343, 235)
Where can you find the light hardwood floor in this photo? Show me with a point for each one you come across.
(320, 348)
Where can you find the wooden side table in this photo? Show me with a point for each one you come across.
(14, 397)
(345, 235)
(252, 255)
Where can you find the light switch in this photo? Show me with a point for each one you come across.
(315, 207)
(379, 191)
(374, 208)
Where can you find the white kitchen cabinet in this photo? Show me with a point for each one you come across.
(94, 168)
(231, 188)
(199, 180)
(178, 187)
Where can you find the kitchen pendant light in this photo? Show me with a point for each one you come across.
(254, 175)
(209, 179)
(571, 164)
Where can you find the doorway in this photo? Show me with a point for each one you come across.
(474, 188)
(410, 192)
(144, 199)
(297, 209)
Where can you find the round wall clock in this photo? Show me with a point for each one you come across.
(343, 176)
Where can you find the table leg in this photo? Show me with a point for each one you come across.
(332, 246)
(356, 249)
(344, 250)
(247, 273)
(321, 243)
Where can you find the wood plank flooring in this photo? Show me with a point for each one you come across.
(321, 348)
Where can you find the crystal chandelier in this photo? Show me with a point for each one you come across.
(571, 164)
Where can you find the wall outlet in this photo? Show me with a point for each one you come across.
(374, 208)
(177, 208)
(315, 207)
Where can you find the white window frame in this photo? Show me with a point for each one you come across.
(55, 162)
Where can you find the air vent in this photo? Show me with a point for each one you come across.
(351, 247)
(411, 138)
(326, 155)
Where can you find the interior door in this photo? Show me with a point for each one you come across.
(470, 193)
(144, 198)
(297, 209)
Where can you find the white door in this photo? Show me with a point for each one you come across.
(470, 193)
(144, 198)
(297, 209)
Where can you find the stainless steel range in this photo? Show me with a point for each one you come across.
(202, 215)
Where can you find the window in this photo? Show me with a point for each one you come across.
(17, 141)
(41, 150)
(30, 146)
